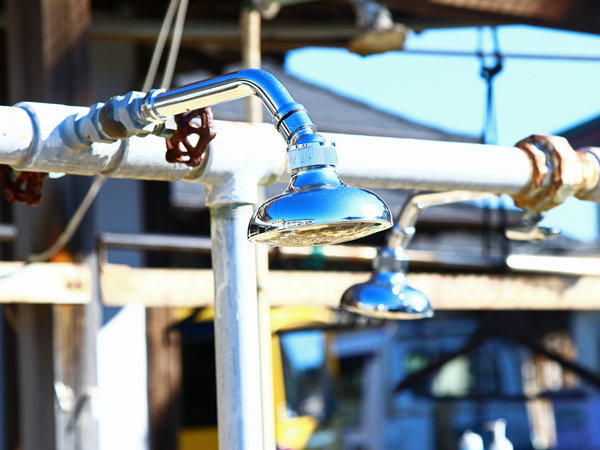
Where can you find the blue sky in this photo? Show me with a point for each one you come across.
(531, 95)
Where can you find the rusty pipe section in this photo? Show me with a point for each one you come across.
(558, 172)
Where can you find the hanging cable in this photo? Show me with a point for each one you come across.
(488, 73)
(489, 133)
(160, 45)
(73, 224)
(175, 42)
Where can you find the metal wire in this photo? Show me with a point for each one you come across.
(175, 43)
(160, 45)
(464, 53)
(73, 224)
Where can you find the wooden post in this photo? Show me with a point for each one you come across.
(250, 27)
(164, 378)
(48, 60)
(163, 350)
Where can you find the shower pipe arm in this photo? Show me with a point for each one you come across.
(404, 229)
(138, 113)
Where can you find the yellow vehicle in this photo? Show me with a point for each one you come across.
(302, 382)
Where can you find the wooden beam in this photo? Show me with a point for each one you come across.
(225, 36)
(54, 283)
(188, 287)
(122, 285)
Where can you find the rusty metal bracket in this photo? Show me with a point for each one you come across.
(558, 172)
(23, 187)
(590, 161)
(531, 230)
(197, 124)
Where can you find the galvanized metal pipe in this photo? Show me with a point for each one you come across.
(385, 162)
(236, 329)
(158, 242)
(363, 160)
(32, 140)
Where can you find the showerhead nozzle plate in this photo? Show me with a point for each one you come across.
(319, 234)
(389, 315)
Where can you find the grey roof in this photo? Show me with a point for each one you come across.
(333, 112)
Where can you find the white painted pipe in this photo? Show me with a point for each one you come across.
(16, 134)
(31, 139)
(33, 142)
(385, 162)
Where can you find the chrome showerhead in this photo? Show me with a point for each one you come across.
(317, 208)
(387, 295)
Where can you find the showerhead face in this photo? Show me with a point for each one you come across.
(387, 296)
(317, 209)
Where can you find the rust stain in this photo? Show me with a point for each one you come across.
(557, 172)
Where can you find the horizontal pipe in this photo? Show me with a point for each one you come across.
(384, 162)
(369, 161)
(158, 242)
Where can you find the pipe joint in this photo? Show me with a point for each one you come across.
(558, 172)
(119, 117)
(147, 112)
(81, 130)
(292, 122)
(391, 260)
(107, 122)
(317, 152)
(589, 159)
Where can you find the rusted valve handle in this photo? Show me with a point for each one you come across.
(197, 124)
(23, 187)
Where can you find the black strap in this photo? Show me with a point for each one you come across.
(488, 72)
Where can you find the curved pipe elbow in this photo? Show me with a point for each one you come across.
(404, 229)
(289, 117)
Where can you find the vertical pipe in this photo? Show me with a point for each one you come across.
(236, 329)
